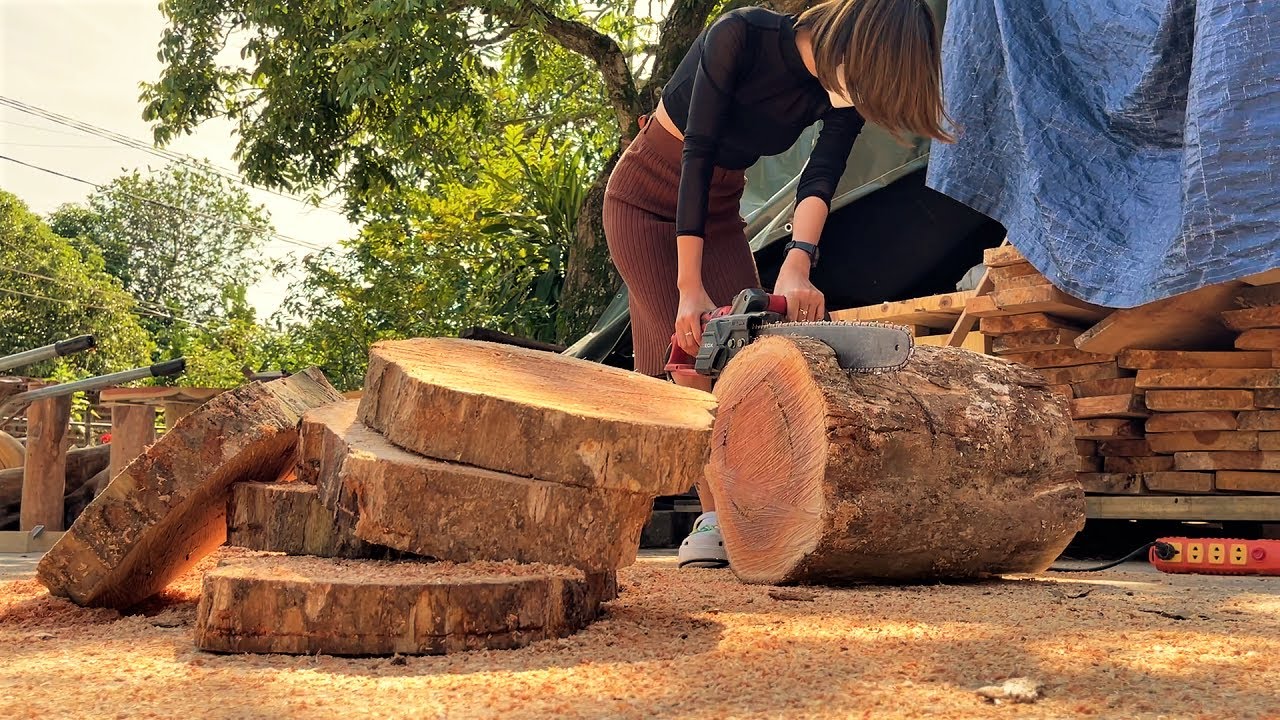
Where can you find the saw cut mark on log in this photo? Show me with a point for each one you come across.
(289, 518)
(1189, 320)
(167, 509)
(537, 415)
(366, 607)
(813, 467)
(456, 512)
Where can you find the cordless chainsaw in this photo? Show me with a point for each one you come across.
(859, 346)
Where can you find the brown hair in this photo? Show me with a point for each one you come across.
(891, 52)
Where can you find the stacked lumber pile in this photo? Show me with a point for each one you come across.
(474, 496)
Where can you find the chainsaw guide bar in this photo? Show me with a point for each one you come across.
(861, 347)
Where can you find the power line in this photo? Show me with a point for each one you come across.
(142, 311)
(189, 211)
(136, 144)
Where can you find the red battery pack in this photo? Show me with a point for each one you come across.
(1216, 556)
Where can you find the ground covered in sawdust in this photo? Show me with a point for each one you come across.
(698, 644)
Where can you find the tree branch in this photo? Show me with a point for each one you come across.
(684, 21)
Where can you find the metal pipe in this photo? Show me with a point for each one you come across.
(169, 367)
(48, 352)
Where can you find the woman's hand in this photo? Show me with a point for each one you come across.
(693, 303)
(804, 301)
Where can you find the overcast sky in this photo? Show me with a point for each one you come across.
(85, 59)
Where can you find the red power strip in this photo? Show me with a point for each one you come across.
(1218, 556)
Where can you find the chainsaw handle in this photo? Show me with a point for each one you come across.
(680, 361)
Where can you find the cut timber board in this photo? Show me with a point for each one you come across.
(1057, 358)
(1116, 406)
(1138, 465)
(1003, 256)
(1193, 422)
(168, 508)
(1184, 508)
(1124, 448)
(309, 606)
(457, 512)
(1246, 481)
(1266, 399)
(1261, 339)
(1209, 378)
(1107, 429)
(934, 311)
(1109, 386)
(973, 341)
(1190, 320)
(1008, 272)
(538, 414)
(287, 517)
(1034, 341)
(1022, 281)
(1268, 277)
(1027, 322)
(1261, 296)
(1110, 483)
(1082, 373)
(1269, 461)
(1203, 441)
(1260, 420)
(1269, 441)
(1181, 359)
(1252, 318)
(1050, 300)
(1178, 482)
(1199, 400)
(156, 395)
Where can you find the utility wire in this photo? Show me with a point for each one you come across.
(136, 144)
(189, 211)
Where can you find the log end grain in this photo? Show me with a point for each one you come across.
(304, 605)
(167, 509)
(289, 518)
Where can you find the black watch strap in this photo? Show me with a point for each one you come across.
(809, 248)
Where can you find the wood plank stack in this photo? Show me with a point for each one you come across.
(474, 496)
(929, 319)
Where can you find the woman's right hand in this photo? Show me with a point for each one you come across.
(693, 303)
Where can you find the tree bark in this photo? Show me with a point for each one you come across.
(537, 415)
(454, 512)
(363, 607)
(167, 509)
(959, 465)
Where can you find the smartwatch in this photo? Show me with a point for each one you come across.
(809, 248)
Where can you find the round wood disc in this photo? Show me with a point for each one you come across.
(308, 605)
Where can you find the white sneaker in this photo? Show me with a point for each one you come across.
(704, 548)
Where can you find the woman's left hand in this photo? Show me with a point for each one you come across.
(804, 301)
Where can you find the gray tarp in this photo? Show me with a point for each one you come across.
(1130, 147)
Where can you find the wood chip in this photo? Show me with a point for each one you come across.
(1016, 690)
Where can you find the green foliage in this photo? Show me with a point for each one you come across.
(50, 291)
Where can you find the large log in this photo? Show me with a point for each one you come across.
(167, 509)
(303, 605)
(460, 513)
(288, 517)
(537, 414)
(958, 465)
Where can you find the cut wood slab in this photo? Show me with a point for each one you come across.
(1064, 391)
(1026, 322)
(1116, 406)
(1270, 277)
(1193, 421)
(457, 512)
(1189, 320)
(1179, 482)
(1199, 400)
(1169, 443)
(1252, 318)
(1006, 272)
(1182, 359)
(1087, 447)
(811, 465)
(1003, 256)
(1261, 296)
(1107, 429)
(1110, 483)
(1262, 339)
(1269, 441)
(1215, 378)
(1109, 386)
(1050, 300)
(1022, 281)
(1083, 373)
(537, 414)
(1138, 465)
(309, 606)
(934, 311)
(1057, 358)
(168, 508)
(1228, 460)
(1260, 420)
(1089, 463)
(1124, 448)
(287, 517)
(1266, 399)
(1246, 481)
(1035, 341)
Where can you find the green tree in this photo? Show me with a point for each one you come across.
(51, 290)
(381, 97)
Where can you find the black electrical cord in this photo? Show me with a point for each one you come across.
(1164, 551)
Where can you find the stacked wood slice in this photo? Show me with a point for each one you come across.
(473, 496)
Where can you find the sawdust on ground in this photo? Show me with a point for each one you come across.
(699, 644)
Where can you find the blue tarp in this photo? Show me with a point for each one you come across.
(1130, 147)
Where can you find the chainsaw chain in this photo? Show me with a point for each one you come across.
(911, 342)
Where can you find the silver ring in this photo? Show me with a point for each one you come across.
(804, 312)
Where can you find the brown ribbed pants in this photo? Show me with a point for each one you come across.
(640, 227)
